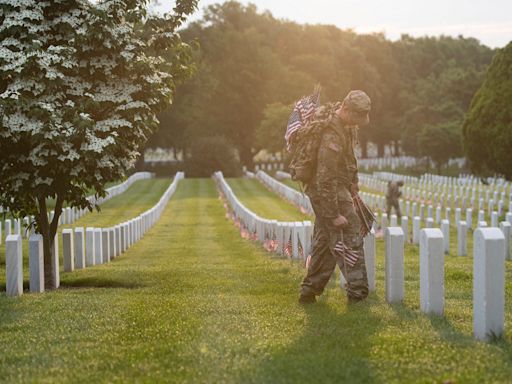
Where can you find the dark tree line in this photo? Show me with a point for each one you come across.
(251, 67)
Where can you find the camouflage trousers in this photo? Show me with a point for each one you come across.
(324, 258)
(393, 203)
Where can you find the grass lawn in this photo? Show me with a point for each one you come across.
(193, 302)
(265, 203)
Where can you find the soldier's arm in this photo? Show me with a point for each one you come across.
(327, 169)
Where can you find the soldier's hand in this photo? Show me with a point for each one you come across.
(354, 188)
(340, 221)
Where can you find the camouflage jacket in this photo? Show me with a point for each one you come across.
(336, 169)
(393, 192)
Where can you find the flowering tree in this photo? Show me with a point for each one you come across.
(80, 86)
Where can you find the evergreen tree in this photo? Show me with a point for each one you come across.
(487, 128)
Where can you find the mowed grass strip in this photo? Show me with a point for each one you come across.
(194, 303)
(265, 203)
(141, 195)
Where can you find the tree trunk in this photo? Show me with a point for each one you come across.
(246, 158)
(140, 163)
(380, 148)
(396, 149)
(48, 231)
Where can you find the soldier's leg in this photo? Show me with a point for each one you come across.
(357, 279)
(397, 209)
(322, 262)
(388, 208)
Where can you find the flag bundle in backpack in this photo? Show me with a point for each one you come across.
(302, 113)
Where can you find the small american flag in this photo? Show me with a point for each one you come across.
(302, 112)
(288, 248)
(348, 254)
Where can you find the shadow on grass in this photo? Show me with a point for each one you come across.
(334, 347)
(98, 282)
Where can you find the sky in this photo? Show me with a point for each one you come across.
(489, 21)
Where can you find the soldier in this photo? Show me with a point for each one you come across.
(331, 198)
(392, 196)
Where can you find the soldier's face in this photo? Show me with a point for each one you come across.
(354, 118)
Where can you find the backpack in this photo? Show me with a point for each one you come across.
(305, 142)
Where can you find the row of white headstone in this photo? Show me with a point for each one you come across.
(82, 247)
(296, 233)
(446, 192)
(385, 162)
(267, 166)
(488, 276)
(69, 214)
(462, 228)
(300, 200)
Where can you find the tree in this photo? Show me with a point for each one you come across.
(210, 154)
(487, 128)
(440, 143)
(270, 132)
(80, 86)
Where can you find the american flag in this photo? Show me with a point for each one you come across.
(288, 248)
(302, 112)
(348, 254)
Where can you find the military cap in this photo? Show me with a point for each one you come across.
(357, 101)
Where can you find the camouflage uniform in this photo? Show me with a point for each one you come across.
(330, 196)
(392, 196)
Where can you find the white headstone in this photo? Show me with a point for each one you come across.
(90, 247)
(393, 221)
(469, 218)
(462, 238)
(506, 229)
(405, 228)
(14, 265)
(384, 222)
(68, 250)
(98, 246)
(431, 271)
(369, 257)
(494, 219)
(36, 263)
(56, 261)
(112, 242)
(416, 224)
(105, 244)
(445, 229)
(394, 264)
(8, 228)
(488, 283)
(79, 248)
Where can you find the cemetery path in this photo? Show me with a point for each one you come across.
(194, 302)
